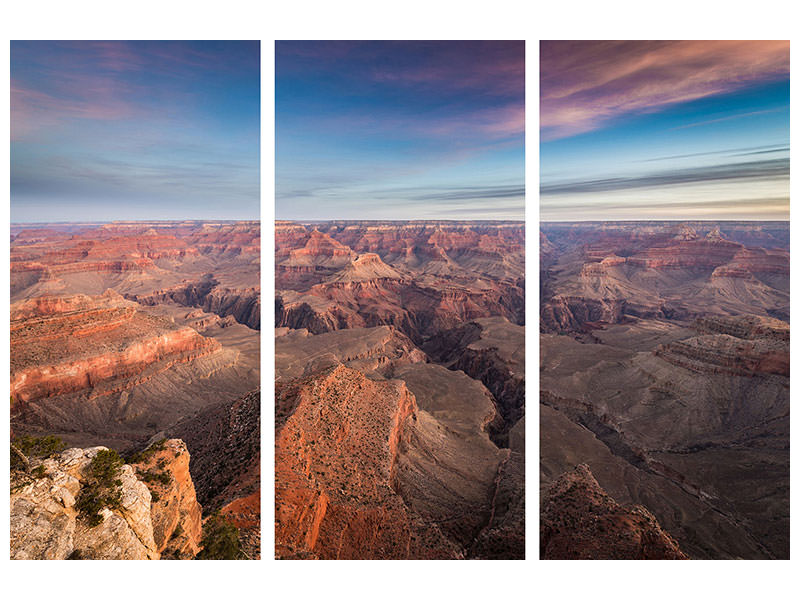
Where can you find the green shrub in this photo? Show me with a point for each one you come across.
(103, 488)
(138, 457)
(36, 447)
(220, 540)
(152, 476)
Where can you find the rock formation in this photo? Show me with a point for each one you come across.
(580, 521)
(46, 522)
(120, 331)
(65, 345)
(383, 416)
(225, 442)
(176, 515)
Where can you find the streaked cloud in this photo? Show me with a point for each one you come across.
(399, 129)
(586, 85)
(753, 170)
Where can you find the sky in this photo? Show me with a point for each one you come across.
(680, 130)
(400, 130)
(105, 131)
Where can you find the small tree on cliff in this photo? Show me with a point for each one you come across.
(103, 488)
(220, 540)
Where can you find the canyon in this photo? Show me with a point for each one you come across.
(664, 361)
(123, 332)
(399, 374)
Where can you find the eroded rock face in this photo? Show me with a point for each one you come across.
(422, 278)
(225, 443)
(679, 400)
(243, 304)
(175, 513)
(581, 521)
(597, 274)
(335, 462)
(46, 525)
(491, 350)
(103, 344)
(157, 518)
(380, 452)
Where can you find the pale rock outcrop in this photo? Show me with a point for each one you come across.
(44, 523)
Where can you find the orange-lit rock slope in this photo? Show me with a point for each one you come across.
(335, 478)
(175, 512)
(102, 345)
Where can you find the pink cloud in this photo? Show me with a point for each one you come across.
(585, 84)
(33, 110)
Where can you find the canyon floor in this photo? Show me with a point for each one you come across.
(125, 332)
(399, 416)
(664, 365)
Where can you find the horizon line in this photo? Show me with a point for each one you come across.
(670, 220)
(84, 222)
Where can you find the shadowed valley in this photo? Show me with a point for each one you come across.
(665, 373)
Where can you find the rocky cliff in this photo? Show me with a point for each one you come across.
(335, 461)
(46, 522)
(243, 304)
(65, 345)
(225, 442)
(176, 515)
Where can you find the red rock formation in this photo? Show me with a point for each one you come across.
(708, 254)
(103, 345)
(175, 512)
(335, 459)
(580, 521)
(243, 304)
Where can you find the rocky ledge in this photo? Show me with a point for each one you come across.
(46, 522)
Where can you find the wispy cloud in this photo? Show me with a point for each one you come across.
(33, 110)
(746, 151)
(584, 85)
(754, 170)
(494, 68)
(729, 118)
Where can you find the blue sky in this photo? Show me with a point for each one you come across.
(399, 130)
(664, 130)
(134, 130)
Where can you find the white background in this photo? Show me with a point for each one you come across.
(409, 19)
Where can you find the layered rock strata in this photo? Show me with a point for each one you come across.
(102, 345)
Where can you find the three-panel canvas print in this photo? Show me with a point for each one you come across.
(396, 334)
